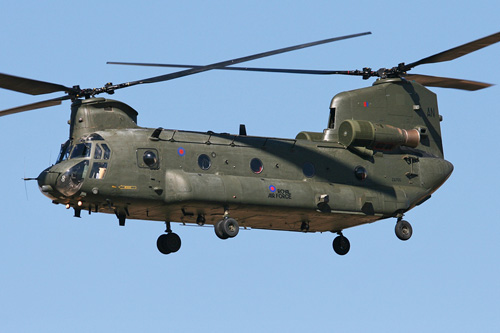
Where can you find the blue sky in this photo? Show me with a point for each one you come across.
(59, 273)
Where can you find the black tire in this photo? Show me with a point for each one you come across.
(230, 227)
(160, 244)
(218, 230)
(168, 243)
(403, 230)
(173, 242)
(341, 245)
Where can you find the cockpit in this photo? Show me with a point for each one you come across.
(89, 159)
(84, 149)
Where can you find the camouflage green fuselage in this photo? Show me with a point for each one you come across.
(311, 178)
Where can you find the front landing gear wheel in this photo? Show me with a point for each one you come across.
(341, 245)
(168, 243)
(403, 230)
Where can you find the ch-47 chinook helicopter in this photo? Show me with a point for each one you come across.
(380, 156)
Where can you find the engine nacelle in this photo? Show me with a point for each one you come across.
(362, 133)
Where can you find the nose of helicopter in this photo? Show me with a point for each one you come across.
(47, 181)
(63, 179)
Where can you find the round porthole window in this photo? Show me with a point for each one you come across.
(150, 158)
(308, 169)
(204, 162)
(360, 173)
(256, 165)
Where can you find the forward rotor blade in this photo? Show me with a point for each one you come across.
(445, 82)
(30, 86)
(249, 69)
(34, 106)
(458, 51)
(222, 64)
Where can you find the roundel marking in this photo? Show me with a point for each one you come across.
(272, 188)
(181, 151)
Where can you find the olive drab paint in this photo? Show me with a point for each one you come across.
(175, 186)
(379, 156)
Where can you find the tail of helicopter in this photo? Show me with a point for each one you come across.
(392, 112)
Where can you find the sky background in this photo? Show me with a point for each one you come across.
(59, 273)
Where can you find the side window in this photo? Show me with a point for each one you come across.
(150, 159)
(147, 158)
(98, 170)
(65, 150)
(204, 162)
(107, 151)
(360, 172)
(256, 166)
(308, 170)
(98, 152)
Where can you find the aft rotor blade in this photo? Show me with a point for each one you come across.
(458, 51)
(30, 86)
(222, 64)
(249, 69)
(445, 82)
(34, 106)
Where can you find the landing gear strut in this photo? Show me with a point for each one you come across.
(169, 242)
(341, 244)
(226, 228)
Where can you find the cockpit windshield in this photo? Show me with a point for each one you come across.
(84, 149)
(81, 150)
(70, 151)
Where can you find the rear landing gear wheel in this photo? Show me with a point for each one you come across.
(403, 230)
(341, 245)
(168, 243)
(226, 228)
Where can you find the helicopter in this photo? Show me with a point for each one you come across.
(380, 155)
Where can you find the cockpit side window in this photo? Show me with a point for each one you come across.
(98, 170)
(65, 151)
(98, 152)
(107, 151)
